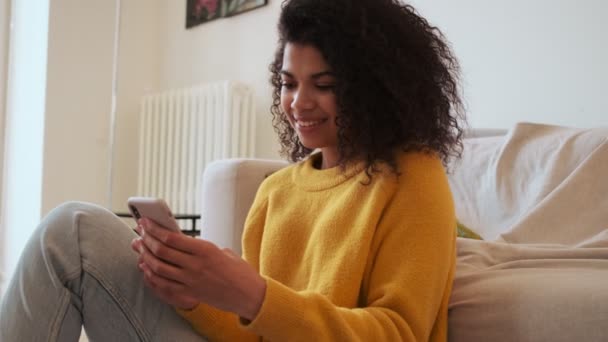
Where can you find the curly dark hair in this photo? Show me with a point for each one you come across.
(397, 81)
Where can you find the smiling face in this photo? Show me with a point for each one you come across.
(308, 99)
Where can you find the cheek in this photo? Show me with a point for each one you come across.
(286, 104)
(283, 97)
(329, 105)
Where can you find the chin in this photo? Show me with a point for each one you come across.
(310, 145)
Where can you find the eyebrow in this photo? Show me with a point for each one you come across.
(314, 76)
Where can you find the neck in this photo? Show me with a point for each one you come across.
(329, 158)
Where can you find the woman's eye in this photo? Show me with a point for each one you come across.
(325, 86)
(287, 85)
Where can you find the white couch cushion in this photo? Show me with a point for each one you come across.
(502, 183)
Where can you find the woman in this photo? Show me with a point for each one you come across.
(354, 241)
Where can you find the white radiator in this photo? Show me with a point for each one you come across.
(181, 131)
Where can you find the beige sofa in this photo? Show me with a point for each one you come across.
(537, 194)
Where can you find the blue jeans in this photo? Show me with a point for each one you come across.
(77, 270)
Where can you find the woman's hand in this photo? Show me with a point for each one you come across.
(183, 271)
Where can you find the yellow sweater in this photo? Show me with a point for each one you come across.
(345, 261)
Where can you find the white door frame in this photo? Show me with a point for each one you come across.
(5, 22)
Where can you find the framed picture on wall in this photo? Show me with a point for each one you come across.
(202, 11)
(234, 7)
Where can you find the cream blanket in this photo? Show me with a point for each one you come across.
(539, 197)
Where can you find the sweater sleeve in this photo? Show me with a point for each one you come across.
(410, 269)
(218, 325)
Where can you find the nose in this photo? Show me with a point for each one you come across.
(302, 100)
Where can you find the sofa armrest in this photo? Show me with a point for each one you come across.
(484, 132)
(229, 188)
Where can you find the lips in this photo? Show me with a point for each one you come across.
(309, 123)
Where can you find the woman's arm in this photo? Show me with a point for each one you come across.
(209, 321)
(410, 278)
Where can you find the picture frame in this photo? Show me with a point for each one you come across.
(202, 11)
(235, 7)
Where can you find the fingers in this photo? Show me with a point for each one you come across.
(229, 252)
(165, 288)
(159, 266)
(165, 252)
(135, 245)
(169, 295)
(176, 240)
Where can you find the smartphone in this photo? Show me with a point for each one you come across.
(155, 209)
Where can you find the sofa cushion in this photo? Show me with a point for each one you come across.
(539, 194)
(501, 181)
(512, 292)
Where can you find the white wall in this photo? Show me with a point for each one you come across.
(541, 60)
(80, 60)
(23, 155)
(236, 48)
(157, 53)
(138, 74)
(59, 102)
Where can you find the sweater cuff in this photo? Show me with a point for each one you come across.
(202, 316)
(280, 315)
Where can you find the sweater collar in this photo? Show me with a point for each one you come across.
(311, 179)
